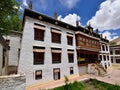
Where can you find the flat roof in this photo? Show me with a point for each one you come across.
(39, 16)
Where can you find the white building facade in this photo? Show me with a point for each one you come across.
(4, 51)
(104, 54)
(115, 53)
(48, 50)
(14, 41)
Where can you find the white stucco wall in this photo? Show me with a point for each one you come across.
(14, 46)
(26, 56)
(106, 52)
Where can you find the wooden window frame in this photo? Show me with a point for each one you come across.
(69, 40)
(39, 76)
(56, 37)
(58, 57)
(39, 34)
(71, 60)
(117, 52)
(38, 58)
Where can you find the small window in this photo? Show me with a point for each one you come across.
(69, 40)
(107, 57)
(104, 57)
(71, 57)
(111, 52)
(117, 51)
(106, 48)
(71, 70)
(38, 74)
(3, 62)
(38, 57)
(56, 73)
(103, 47)
(56, 37)
(100, 57)
(38, 34)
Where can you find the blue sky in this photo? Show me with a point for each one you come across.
(102, 14)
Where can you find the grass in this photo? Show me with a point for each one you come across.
(89, 85)
(71, 86)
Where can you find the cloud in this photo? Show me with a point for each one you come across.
(25, 3)
(110, 36)
(70, 19)
(69, 3)
(108, 16)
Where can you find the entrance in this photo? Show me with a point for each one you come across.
(56, 72)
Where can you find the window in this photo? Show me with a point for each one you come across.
(56, 73)
(56, 57)
(56, 35)
(117, 51)
(71, 57)
(71, 70)
(111, 52)
(106, 48)
(69, 40)
(107, 57)
(103, 48)
(38, 74)
(38, 57)
(104, 57)
(100, 57)
(3, 62)
(38, 34)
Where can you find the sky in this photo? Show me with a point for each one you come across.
(103, 15)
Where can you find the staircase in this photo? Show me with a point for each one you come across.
(97, 69)
(101, 70)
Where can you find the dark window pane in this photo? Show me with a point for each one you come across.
(71, 57)
(38, 34)
(71, 70)
(38, 57)
(56, 38)
(69, 40)
(56, 57)
(38, 74)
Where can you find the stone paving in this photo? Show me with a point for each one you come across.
(113, 77)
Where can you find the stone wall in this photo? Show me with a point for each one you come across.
(12, 82)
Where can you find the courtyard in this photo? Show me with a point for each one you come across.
(112, 77)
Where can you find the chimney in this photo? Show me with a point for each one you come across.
(101, 35)
(105, 37)
(55, 15)
(89, 24)
(77, 22)
(30, 4)
(97, 31)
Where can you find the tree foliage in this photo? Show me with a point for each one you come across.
(9, 16)
(112, 43)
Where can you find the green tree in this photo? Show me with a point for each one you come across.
(9, 16)
(112, 43)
